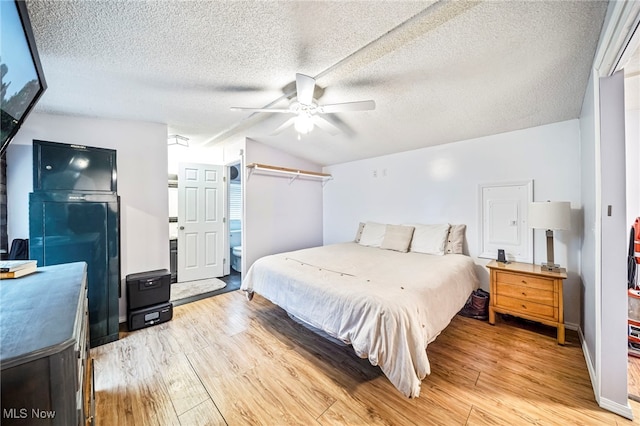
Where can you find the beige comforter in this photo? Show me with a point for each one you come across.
(388, 305)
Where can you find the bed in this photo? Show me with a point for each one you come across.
(387, 304)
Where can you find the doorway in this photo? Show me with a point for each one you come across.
(605, 236)
(632, 153)
(198, 229)
(234, 202)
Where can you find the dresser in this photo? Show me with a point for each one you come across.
(46, 376)
(525, 290)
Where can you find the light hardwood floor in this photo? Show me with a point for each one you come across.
(225, 360)
(633, 370)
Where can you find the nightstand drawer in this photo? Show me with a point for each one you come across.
(520, 279)
(527, 307)
(528, 293)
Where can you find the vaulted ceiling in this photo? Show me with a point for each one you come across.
(439, 72)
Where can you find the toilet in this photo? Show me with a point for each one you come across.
(236, 258)
(235, 244)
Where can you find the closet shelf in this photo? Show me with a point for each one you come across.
(292, 173)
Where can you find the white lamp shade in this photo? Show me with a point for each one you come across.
(549, 214)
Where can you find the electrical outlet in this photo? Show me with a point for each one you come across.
(384, 172)
(375, 173)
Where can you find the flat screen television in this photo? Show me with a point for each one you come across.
(77, 168)
(21, 77)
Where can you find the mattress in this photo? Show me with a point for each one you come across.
(388, 305)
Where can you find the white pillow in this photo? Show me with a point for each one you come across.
(397, 237)
(372, 234)
(455, 240)
(429, 239)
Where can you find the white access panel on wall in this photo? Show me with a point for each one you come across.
(503, 220)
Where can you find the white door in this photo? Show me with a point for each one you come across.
(614, 239)
(200, 222)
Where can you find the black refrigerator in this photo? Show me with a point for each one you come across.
(74, 215)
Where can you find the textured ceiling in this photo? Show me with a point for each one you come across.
(439, 71)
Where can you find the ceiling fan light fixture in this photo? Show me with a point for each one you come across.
(306, 110)
(303, 123)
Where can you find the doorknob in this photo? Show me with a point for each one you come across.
(182, 228)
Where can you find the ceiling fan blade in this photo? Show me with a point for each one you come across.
(281, 110)
(348, 106)
(337, 122)
(305, 86)
(283, 126)
(325, 125)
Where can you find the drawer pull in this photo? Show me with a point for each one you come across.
(524, 294)
(524, 306)
(524, 281)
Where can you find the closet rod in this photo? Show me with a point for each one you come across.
(288, 171)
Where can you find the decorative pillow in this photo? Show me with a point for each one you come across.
(397, 237)
(372, 234)
(455, 239)
(430, 239)
(359, 233)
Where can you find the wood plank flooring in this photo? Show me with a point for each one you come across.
(227, 361)
(633, 369)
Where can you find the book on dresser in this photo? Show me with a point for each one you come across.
(17, 268)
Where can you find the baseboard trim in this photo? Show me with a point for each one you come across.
(605, 403)
(572, 326)
(622, 410)
(590, 367)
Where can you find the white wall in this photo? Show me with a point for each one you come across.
(222, 153)
(588, 193)
(180, 154)
(232, 150)
(614, 237)
(142, 182)
(440, 184)
(279, 216)
(19, 185)
(632, 123)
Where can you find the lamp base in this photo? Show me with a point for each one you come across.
(551, 267)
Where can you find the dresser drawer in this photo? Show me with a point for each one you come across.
(520, 279)
(526, 307)
(528, 293)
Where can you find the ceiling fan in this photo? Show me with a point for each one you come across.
(306, 110)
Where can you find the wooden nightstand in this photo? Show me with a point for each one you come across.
(526, 291)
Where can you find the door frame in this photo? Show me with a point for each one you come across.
(617, 34)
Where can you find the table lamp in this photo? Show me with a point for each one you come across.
(550, 215)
